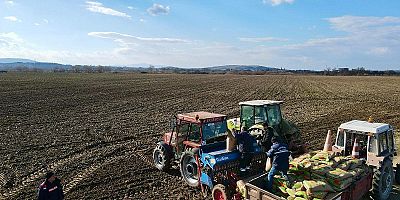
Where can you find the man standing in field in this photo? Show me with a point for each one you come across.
(280, 154)
(51, 188)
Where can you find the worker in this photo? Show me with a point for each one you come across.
(245, 146)
(266, 139)
(280, 154)
(51, 188)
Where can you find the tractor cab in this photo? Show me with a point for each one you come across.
(254, 114)
(263, 118)
(192, 130)
(375, 140)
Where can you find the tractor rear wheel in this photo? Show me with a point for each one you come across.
(162, 156)
(189, 168)
(219, 192)
(382, 182)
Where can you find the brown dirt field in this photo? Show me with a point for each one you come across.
(97, 131)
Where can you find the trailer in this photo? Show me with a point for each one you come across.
(369, 144)
(256, 189)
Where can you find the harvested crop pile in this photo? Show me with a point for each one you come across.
(317, 179)
(97, 131)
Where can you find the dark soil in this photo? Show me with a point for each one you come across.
(98, 131)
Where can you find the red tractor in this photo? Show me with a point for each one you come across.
(197, 144)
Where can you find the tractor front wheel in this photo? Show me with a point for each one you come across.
(382, 182)
(162, 156)
(219, 192)
(189, 168)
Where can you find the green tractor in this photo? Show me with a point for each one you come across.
(263, 118)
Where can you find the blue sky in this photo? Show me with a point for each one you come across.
(294, 34)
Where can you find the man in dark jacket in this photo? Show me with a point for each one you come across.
(51, 188)
(245, 145)
(267, 137)
(280, 154)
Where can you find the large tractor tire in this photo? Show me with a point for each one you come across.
(162, 156)
(188, 167)
(397, 175)
(382, 182)
(219, 192)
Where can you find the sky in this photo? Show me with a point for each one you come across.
(291, 34)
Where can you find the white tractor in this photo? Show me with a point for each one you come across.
(376, 146)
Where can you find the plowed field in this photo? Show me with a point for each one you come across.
(97, 131)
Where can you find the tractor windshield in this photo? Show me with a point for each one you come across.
(247, 118)
(274, 115)
(214, 129)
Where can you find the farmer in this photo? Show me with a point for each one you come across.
(266, 139)
(280, 154)
(51, 188)
(245, 145)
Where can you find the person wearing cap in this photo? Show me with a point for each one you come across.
(245, 146)
(51, 188)
(280, 154)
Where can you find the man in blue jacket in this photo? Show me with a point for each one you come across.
(51, 188)
(245, 145)
(280, 154)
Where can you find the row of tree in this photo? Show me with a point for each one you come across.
(360, 71)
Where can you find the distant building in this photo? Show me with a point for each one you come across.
(345, 69)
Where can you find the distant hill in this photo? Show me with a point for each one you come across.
(24, 64)
(16, 60)
(252, 68)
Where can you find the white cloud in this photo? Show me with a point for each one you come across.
(131, 7)
(10, 40)
(98, 7)
(158, 9)
(45, 21)
(357, 23)
(12, 18)
(277, 2)
(374, 44)
(12, 45)
(368, 41)
(129, 39)
(9, 2)
(262, 39)
(379, 51)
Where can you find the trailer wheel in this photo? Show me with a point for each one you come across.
(397, 175)
(188, 167)
(162, 156)
(382, 182)
(219, 192)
